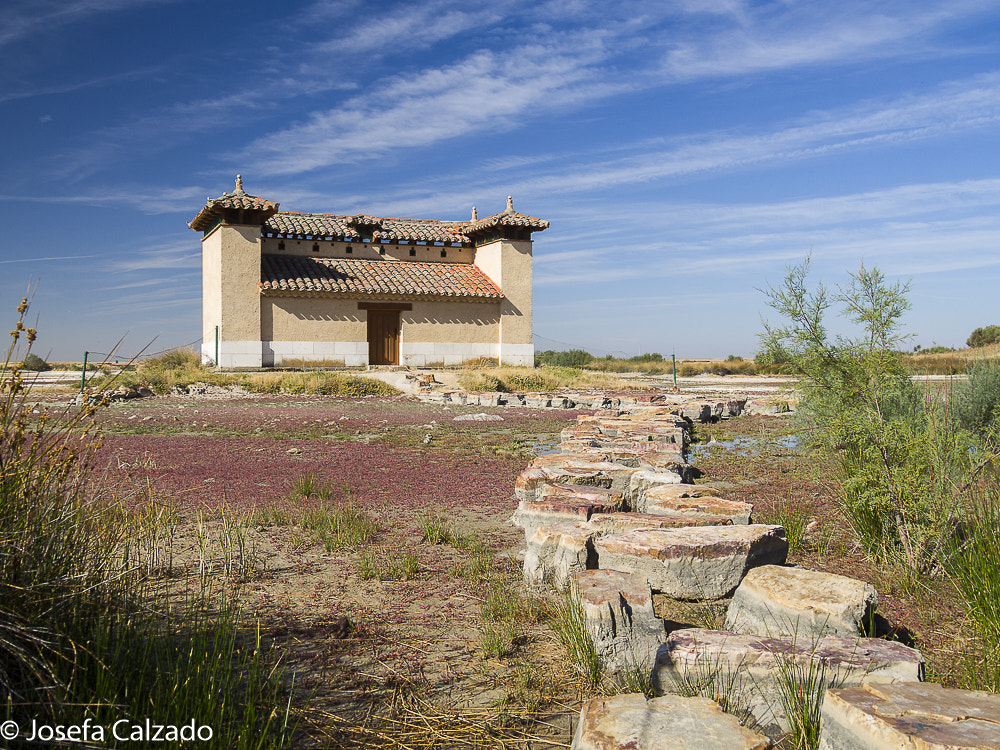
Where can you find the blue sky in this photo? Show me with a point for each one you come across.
(684, 152)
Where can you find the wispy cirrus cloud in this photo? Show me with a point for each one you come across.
(758, 39)
(954, 107)
(484, 91)
(169, 256)
(417, 26)
(145, 199)
(23, 18)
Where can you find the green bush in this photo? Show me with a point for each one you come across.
(571, 358)
(904, 464)
(976, 402)
(526, 382)
(483, 381)
(34, 363)
(984, 337)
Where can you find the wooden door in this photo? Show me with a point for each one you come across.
(383, 337)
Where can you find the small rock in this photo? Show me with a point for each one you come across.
(294, 451)
(481, 417)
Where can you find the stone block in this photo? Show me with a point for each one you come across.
(694, 563)
(545, 511)
(671, 722)
(617, 523)
(641, 481)
(554, 491)
(766, 407)
(807, 604)
(696, 412)
(921, 715)
(618, 611)
(614, 476)
(747, 670)
(670, 500)
(538, 402)
(555, 552)
(531, 481)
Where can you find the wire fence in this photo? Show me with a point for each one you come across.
(119, 358)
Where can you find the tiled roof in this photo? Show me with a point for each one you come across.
(378, 228)
(235, 200)
(297, 273)
(508, 218)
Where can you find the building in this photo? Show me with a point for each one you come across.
(283, 288)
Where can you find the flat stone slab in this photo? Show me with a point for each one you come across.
(556, 552)
(556, 491)
(778, 601)
(671, 722)
(694, 563)
(643, 480)
(618, 611)
(909, 715)
(749, 668)
(557, 509)
(617, 523)
(671, 500)
(532, 478)
(613, 476)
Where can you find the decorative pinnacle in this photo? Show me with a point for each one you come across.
(510, 205)
(474, 215)
(239, 183)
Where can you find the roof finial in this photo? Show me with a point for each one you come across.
(474, 215)
(510, 205)
(239, 183)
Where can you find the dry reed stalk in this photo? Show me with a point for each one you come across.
(414, 724)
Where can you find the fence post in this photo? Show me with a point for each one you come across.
(83, 375)
(673, 360)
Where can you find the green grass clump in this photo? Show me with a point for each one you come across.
(387, 564)
(435, 528)
(315, 383)
(546, 378)
(339, 527)
(794, 518)
(974, 567)
(570, 627)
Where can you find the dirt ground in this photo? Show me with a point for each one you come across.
(224, 473)
(218, 469)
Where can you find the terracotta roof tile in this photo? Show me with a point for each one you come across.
(378, 228)
(297, 273)
(234, 200)
(505, 219)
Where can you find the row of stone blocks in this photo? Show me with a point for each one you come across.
(614, 518)
(872, 690)
(696, 411)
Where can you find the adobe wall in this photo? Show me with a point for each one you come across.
(335, 330)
